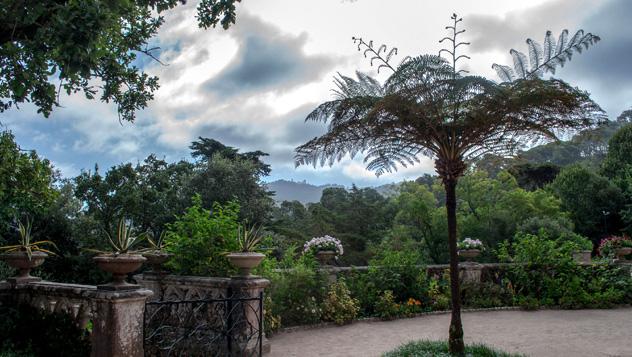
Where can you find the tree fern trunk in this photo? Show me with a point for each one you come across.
(456, 328)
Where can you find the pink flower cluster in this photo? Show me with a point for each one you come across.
(609, 244)
(323, 243)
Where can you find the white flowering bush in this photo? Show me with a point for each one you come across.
(469, 243)
(326, 242)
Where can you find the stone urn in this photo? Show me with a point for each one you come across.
(245, 261)
(156, 260)
(21, 262)
(325, 257)
(119, 265)
(469, 254)
(582, 257)
(622, 252)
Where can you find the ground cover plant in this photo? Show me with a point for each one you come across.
(440, 349)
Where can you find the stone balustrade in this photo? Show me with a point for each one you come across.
(116, 316)
(245, 318)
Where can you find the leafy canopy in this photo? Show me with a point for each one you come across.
(49, 47)
(425, 108)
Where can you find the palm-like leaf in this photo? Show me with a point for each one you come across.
(423, 109)
(543, 59)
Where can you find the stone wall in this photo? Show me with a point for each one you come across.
(240, 319)
(117, 316)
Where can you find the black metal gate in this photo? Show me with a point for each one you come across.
(231, 326)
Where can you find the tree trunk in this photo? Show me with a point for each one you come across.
(456, 328)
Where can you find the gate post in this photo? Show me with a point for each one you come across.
(250, 315)
(118, 323)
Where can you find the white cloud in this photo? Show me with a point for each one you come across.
(312, 39)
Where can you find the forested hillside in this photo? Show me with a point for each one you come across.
(578, 187)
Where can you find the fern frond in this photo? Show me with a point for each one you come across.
(520, 63)
(535, 54)
(404, 60)
(505, 73)
(549, 46)
(561, 42)
(553, 55)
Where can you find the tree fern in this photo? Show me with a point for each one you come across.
(543, 59)
(428, 107)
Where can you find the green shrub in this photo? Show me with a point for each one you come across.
(545, 272)
(397, 271)
(27, 331)
(385, 306)
(438, 294)
(271, 322)
(297, 291)
(200, 238)
(485, 295)
(338, 305)
(528, 303)
(440, 349)
(573, 242)
(552, 226)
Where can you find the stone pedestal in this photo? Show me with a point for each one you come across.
(582, 257)
(118, 324)
(470, 272)
(247, 321)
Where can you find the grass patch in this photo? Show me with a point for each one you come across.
(440, 349)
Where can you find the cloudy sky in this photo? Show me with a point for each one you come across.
(252, 86)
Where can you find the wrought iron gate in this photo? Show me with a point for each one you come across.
(231, 326)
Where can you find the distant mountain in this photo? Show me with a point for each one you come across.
(300, 191)
(307, 193)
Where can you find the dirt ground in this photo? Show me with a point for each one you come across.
(544, 333)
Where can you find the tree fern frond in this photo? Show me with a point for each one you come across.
(562, 41)
(535, 54)
(404, 60)
(505, 73)
(552, 55)
(549, 46)
(520, 63)
(576, 39)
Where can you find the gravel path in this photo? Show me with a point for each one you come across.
(539, 333)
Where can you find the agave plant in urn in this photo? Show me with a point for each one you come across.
(156, 254)
(25, 255)
(246, 258)
(121, 259)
